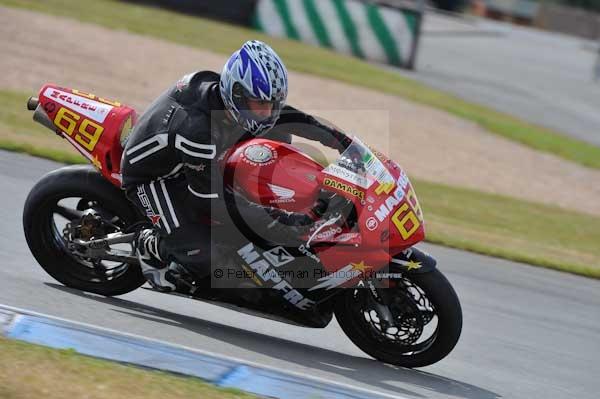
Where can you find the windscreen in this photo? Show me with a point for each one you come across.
(358, 165)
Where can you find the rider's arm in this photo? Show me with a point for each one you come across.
(206, 185)
(304, 125)
(219, 202)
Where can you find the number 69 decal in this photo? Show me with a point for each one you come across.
(409, 222)
(88, 132)
(401, 220)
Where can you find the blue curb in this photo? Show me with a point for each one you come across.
(221, 371)
(234, 377)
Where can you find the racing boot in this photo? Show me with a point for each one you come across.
(155, 271)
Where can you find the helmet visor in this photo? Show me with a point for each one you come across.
(254, 108)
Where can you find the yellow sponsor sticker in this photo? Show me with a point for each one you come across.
(385, 188)
(344, 187)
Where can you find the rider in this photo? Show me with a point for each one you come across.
(170, 169)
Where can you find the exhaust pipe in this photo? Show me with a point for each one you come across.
(32, 103)
(39, 115)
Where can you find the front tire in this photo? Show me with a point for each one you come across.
(83, 185)
(433, 299)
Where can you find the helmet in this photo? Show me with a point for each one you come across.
(254, 72)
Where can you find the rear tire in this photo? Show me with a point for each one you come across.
(47, 243)
(440, 295)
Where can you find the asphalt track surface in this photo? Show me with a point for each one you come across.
(541, 77)
(528, 332)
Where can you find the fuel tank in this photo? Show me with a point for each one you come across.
(274, 174)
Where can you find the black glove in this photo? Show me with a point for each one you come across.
(273, 224)
(330, 203)
(287, 228)
(290, 218)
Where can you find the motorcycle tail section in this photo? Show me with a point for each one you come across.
(96, 127)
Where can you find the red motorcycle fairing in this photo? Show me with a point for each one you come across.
(390, 216)
(389, 219)
(96, 127)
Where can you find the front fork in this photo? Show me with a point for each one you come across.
(411, 260)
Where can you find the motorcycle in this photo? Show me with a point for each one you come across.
(359, 261)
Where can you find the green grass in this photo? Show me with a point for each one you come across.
(223, 38)
(509, 228)
(460, 218)
(32, 371)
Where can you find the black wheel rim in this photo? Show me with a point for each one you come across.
(63, 210)
(416, 322)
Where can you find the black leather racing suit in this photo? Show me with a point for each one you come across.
(170, 169)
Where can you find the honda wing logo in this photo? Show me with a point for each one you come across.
(278, 256)
(283, 194)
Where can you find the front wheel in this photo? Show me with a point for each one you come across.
(418, 325)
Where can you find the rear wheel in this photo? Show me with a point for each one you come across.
(77, 200)
(418, 325)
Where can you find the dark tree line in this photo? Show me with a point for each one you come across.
(593, 5)
(456, 5)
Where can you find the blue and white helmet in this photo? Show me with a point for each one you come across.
(255, 71)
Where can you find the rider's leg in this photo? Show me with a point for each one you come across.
(152, 264)
(190, 246)
(177, 234)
